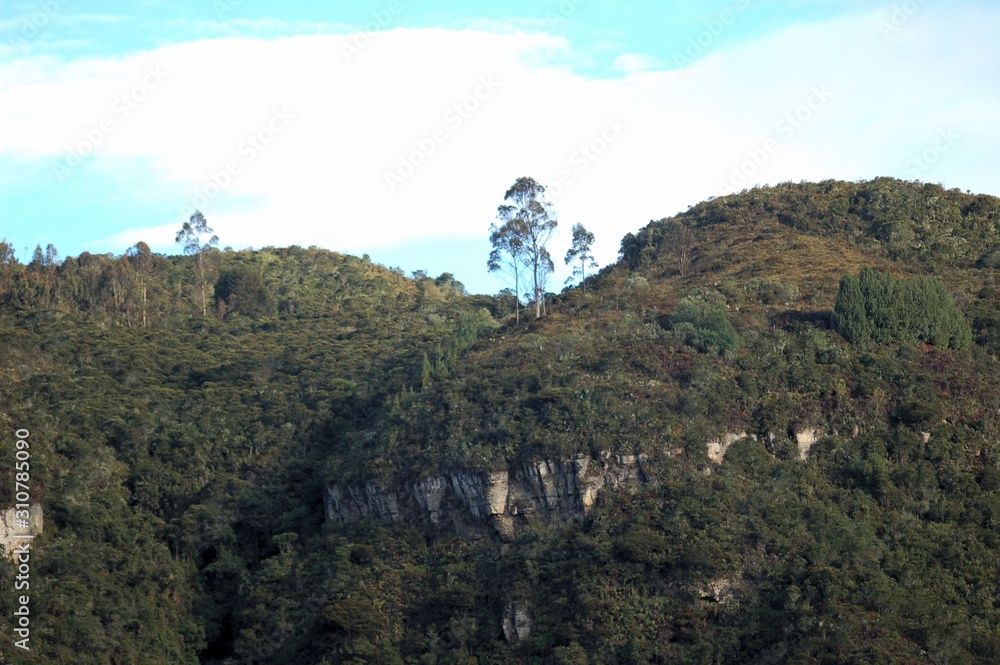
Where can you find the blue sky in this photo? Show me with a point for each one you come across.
(393, 127)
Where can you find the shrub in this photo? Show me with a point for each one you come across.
(242, 289)
(771, 291)
(704, 326)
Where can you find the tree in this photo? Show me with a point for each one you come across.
(882, 298)
(41, 260)
(140, 257)
(529, 222)
(190, 237)
(879, 306)
(583, 240)
(446, 280)
(508, 256)
(242, 289)
(705, 326)
(932, 315)
(8, 264)
(680, 242)
(7, 253)
(849, 316)
(37, 258)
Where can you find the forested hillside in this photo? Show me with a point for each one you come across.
(767, 434)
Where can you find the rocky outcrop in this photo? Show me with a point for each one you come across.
(482, 494)
(355, 503)
(804, 440)
(429, 493)
(516, 621)
(551, 489)
(721, 590)
(717, 447)
(13, 531)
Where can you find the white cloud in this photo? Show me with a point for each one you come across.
(246, 27)
(37, 20)
(361, 103)
(158, 236)
(634, 62)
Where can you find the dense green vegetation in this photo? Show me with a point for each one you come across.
(181, 459)
(882, 308)
(705, 326)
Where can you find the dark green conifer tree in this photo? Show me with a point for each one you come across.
(850, 318)
(892, 311)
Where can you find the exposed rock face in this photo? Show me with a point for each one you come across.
(805, 439)
(10, 530)
(552, 489)
(721, 590)
(483, 494)
(717, 447)
(516, 622)
(557, 489)
(360, 502)
(429, 493)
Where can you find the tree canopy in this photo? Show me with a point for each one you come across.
(581, 250)
(527, 226)
(877, 306)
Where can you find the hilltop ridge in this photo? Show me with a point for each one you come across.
(683, 462)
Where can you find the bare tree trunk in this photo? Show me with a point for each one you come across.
(201, 272)
(682, 242)
(517, 296)
(538, 301)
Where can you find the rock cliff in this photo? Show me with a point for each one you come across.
(716, 448)
(804, 439)
(551, 489)
(13, 534)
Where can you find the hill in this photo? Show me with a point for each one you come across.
(685, 462)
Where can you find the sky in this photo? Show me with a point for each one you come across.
(393, 128)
